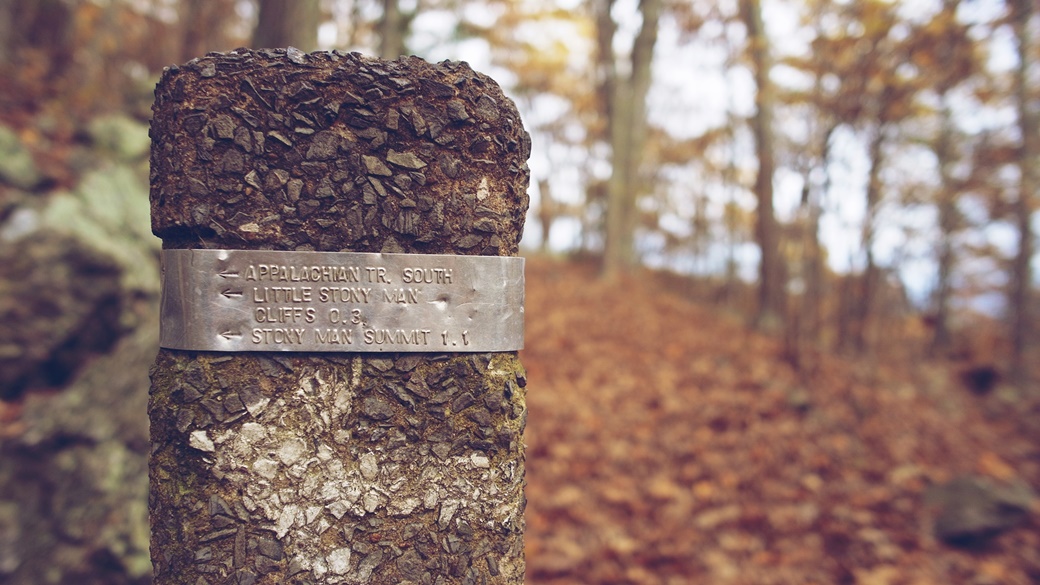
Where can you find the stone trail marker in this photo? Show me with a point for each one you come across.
(338, 397)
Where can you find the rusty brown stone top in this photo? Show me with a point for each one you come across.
(330, 151)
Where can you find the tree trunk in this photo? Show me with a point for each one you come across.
(1021, 273)
(803, 332)
(771, 293)
(863, 322)
(204, 23)
(336, 467)
(546, 213)
(619, 254)
(392, 30)
(7, 29)
(627, 127)
(813, 297)
(946, 203)
(287, 23)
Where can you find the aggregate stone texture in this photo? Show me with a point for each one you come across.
(330, 151)
(334, 467)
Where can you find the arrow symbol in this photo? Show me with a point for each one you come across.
(229, 335)
(227, 274)
(230, 294)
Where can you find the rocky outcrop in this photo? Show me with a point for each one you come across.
(74, 483)
(60, 304)
(78, 331)
(74, 264)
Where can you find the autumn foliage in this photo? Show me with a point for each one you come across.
(669, 444)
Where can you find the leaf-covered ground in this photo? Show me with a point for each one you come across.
(668, 444)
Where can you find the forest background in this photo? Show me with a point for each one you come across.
(858, 164)
(848, 178)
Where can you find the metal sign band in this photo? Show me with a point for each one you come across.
(262, 300)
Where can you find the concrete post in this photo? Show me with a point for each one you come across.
(326, 467)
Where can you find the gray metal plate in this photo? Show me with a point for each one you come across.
(262, 300)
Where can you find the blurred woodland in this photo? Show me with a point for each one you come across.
(845, 190)
(853, 175)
